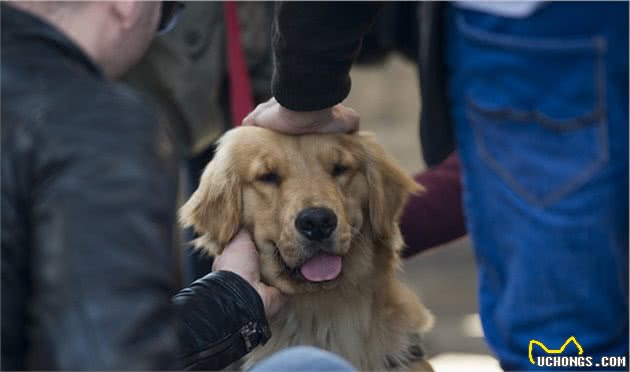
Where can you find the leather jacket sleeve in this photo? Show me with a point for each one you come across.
(223, 319)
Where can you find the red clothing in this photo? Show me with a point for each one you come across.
(434, 217)
(241, 98)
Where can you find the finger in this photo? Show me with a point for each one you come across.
(346, 122)
(242, 241)
(339, 127)
(242, 237)
(348, 117)
(353, 120)
(284, 128)
(252, 118)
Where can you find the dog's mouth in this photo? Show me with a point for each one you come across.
(321, 267)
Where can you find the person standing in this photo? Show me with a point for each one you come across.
(536, 95)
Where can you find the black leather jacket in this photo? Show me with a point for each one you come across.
(88, 202)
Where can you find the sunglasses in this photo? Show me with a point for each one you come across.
(169, 14)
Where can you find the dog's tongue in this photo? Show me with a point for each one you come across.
(322, 267)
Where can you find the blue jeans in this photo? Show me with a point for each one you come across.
(303, 359)
(540, 107)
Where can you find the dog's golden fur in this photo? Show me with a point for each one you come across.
(261, 180)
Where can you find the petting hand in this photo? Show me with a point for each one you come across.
(240, 257)
(271, 115)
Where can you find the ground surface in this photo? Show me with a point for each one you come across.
(386, 97)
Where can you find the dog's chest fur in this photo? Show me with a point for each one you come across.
(365, 326)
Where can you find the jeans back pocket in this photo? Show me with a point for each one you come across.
(537, 109)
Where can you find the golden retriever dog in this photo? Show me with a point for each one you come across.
(323, 210)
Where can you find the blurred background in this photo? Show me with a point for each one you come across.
(387, 98)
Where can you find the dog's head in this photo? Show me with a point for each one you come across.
(319, 207)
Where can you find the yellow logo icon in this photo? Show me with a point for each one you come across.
(553, 351)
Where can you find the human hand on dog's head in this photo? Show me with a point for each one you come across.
(272, 115)
(240, 257)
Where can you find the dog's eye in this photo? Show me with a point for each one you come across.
(269, 177)
(339, 169)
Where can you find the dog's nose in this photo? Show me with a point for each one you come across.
(316, 223)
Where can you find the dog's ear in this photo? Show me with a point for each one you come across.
(214, 209)
(389, 187)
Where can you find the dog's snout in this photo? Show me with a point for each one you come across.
(316, 223)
